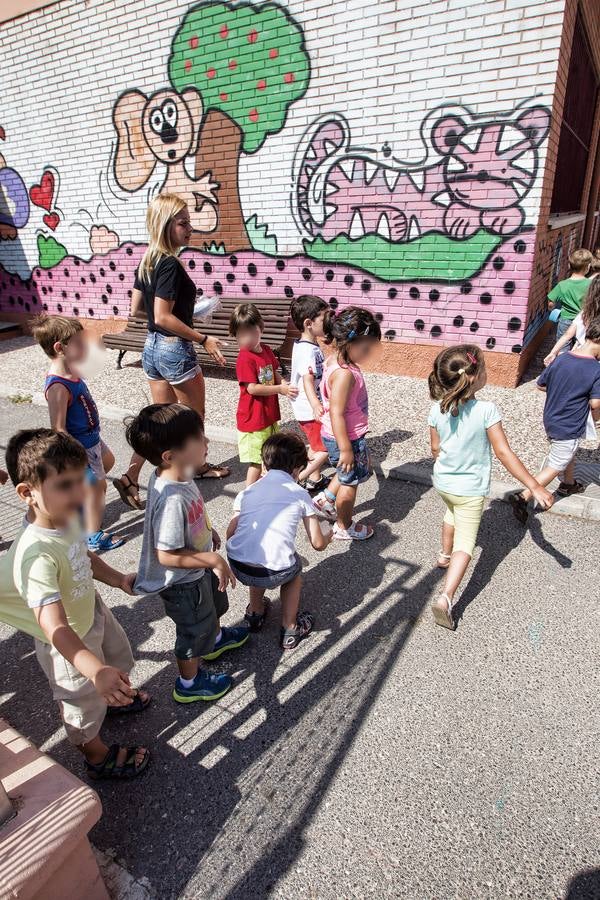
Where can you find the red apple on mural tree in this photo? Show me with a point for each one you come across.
(249, 64)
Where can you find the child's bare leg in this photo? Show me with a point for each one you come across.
(253, 474)
(314, 466)
(94, 506)
(447, 543)
(290, 601)
(346, 498)
(544, 478)
(256, 600)
(188, 668)
(108, 459)
(568, 476)
(459, 563)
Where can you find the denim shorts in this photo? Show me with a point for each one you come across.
(361, 470)
(95, 467)
(259, 577)
(195, 607)
(169, 359)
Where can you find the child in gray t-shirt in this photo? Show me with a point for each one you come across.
(179, 559)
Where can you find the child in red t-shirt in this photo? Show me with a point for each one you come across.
(260, 384)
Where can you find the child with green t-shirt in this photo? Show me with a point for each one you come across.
(47, 590)
(568, 294)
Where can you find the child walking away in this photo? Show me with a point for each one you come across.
(261, 537)
(568, 294)
(462, 428)
(47, 590)
(354, 334)
(572, 386)
(260, 385)
(179, 559)
(72, 409)
(308, 314)
(576, 330)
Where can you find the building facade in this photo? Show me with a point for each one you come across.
(433, 161)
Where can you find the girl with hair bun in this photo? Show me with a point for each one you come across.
(463, 431)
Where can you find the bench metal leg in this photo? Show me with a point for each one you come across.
(120, 358)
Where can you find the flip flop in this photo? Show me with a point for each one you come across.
(209, 472)
(443, 614)
(137, 706)
(102, 541)
(123, 491)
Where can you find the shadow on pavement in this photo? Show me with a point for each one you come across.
(584, 886)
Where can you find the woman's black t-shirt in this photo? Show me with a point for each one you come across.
(169, 281)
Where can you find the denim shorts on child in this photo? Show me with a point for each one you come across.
(169, 358)
(195, 607)
(250, 443)
(259, 577)
(361, 470)
(95, 467)
(561, 453)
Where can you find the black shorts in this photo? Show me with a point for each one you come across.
(195, 607)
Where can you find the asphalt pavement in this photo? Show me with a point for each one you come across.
(385, 756)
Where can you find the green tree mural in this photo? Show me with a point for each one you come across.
(249, 64)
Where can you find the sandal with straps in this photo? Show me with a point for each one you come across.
(124, 491)
(442, 612)
(108, 768)
(139, 704)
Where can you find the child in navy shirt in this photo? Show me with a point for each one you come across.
(572, 386)
(72, 409)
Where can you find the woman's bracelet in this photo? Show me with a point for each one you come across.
(203, 340)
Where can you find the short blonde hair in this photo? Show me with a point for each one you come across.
(159, 214)
(51, 330)
(580, 260)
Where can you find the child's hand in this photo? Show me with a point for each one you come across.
(288, 391)
(543, 497)
(318, 411)
(549, 359)
(113, 686)
(127, 583)
(346, 462)
(3, 476)
(223, 573)
(216, 540)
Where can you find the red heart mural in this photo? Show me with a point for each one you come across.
(42, 194)
(51, 220)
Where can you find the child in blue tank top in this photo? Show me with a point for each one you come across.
(72, 409)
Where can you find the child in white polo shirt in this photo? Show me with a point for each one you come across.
(261, 537)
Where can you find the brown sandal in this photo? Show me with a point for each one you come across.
(124, 492)
(211, 472)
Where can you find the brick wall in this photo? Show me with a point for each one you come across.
(389, 154)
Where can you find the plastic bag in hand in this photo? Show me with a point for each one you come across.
(206, 307)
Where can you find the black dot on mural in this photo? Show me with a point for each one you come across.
(49, 289)
(121, 276)
(516, 348)
(11, 300)
(93, 278)
(78, 296)
(514, 324)
(333, 303)
(435, 331)
(49, 274)
(115, 310)
(233, 261)
(217, 287)
(390, 334)
(349, 280)
(509, 287)
(252, 270)
(58, 306)
(112, 266)
(45, 307)
(306, 274)
(419, 324)
(466, 287)
(102, 272)
(207, 268)
(12, 281)
(63, 294)
(75, 310)
(34, 300)
(486, 299)
(498, 263)
(20, 301)
(230, 277)
(82, 280)
(129, 251)
(130, 294)
(434, 295)
(288, 291)
(458, 322)
(66, 273)
(245, 289)
(490, 343)
(108, 289)
(451, 139)
(199, 292)
(329, 274)
(90, 311)
(392, 293)
(520, 246)
(365, 285)
(414, 293)
(191, 264)
(44, 289)
(27, 307)
(269, 281)
(378, 318)
(280, 265)
(104, 298)
(474, 326)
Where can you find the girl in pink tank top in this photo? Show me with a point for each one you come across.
(354, 334)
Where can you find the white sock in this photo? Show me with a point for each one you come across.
(218, 637)
(186, 682)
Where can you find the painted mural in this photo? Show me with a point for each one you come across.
(440, 247)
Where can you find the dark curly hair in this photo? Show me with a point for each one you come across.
(350, 325)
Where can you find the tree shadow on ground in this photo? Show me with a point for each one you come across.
(584, 886)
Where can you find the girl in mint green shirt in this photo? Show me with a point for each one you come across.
(463, 432)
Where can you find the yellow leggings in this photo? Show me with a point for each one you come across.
(464, 515)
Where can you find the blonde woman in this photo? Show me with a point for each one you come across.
(166, 293)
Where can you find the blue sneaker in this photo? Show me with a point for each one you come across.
(205, 687)
(231, 639)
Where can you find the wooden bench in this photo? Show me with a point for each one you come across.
(279, 333)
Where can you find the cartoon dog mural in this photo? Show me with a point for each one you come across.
(164, 128)
(484, 168)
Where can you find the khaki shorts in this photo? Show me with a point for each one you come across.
(81, 707)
